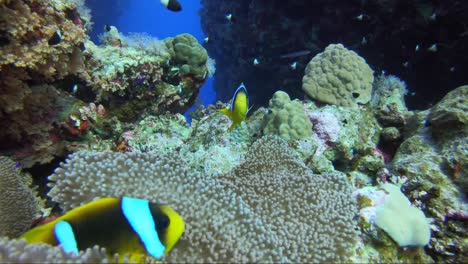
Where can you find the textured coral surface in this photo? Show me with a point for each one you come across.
(248, 214)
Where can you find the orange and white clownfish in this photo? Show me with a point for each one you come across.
(239, 107)
(121, 225)
(172, 5)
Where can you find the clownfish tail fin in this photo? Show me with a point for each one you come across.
(226, 112)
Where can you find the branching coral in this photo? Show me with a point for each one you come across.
(271, 208)
(144, 41)
(30, 24)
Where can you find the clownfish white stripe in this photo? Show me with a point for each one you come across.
(138, 214)
(240, 88)
(66, 237)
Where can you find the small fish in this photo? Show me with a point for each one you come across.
(295, 54)
(111, 29)
(293, 65)
(256, 62)
(172, 5)
(55, 39)
(122, 225)
(206, 39)
(416, 48)
(229, 17)
(405, 64)
(4, 38)
(432, 48)
(452, 69)
(139, 81)
(433, 17)
(363, 41)
(361, 17)
(413, 93)
(82, 46)
(239, 107)
(75, 88)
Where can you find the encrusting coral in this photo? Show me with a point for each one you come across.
(270, 208)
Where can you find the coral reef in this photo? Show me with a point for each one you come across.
(18, 203)
(394, 36)
(391, 211)
(28, 107)
(272, 172)
(115, 69)
(148, 134)
(347, 137)
(137, 73)
(278, 188)
(230, 206)
(338, 76)
(60, 92)
(435, 166)
(287, 118)
(30, 133)
(189, 56)
(326, 127)
(449, 117)
(28, 26)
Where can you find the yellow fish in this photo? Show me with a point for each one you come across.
(239, 107)
(121, 225)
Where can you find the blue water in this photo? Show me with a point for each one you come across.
(151, 17)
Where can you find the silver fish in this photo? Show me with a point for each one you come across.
(295, 54)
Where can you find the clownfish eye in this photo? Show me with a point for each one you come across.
(163, 221)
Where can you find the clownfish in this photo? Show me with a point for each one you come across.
(239, 107)
(121, 225)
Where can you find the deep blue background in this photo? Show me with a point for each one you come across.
(151, 17)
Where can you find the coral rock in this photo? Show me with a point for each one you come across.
(338, 76)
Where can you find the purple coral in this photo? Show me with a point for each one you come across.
(326, 126)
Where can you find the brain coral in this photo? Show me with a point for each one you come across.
(190, 55)
(338, 76)
(269, 209)
(287, 118)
